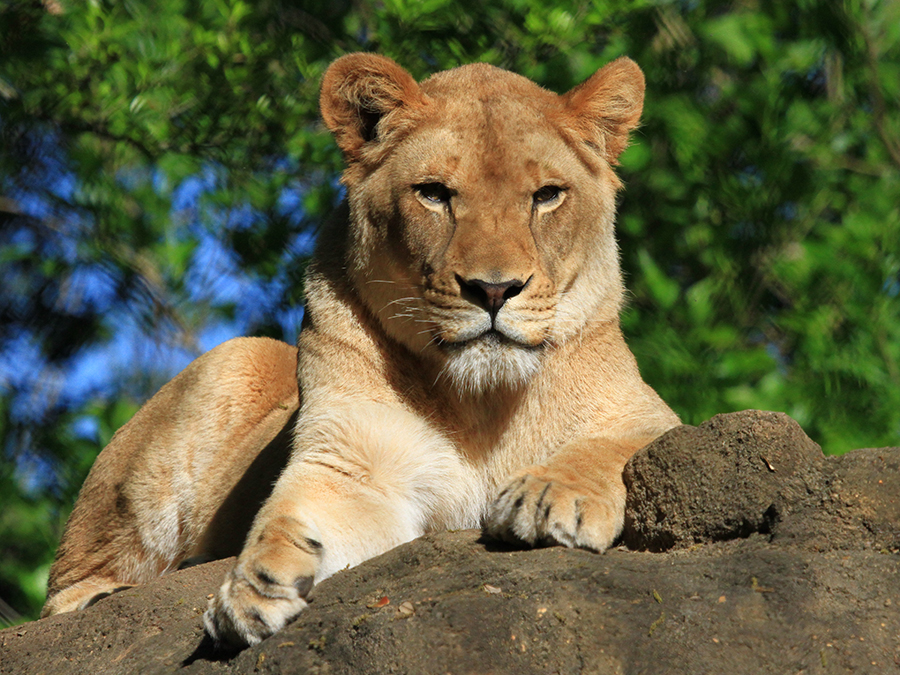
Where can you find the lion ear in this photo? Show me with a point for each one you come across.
(358, 92)
(607, 106)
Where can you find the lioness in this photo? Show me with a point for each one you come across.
(460, 362)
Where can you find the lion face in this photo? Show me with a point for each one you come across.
(482, 208)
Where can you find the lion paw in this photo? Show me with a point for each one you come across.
(266, 589)
(541, 507)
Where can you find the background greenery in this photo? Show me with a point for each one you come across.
(162, 170)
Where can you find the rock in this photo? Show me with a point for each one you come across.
(747, 552)
(731, 476)
(757, 472)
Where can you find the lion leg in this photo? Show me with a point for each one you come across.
(364, 480)
(154, 495)
(297, 543)
(576, 499)
(82, 595)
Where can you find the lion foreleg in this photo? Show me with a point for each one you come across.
(362, 481)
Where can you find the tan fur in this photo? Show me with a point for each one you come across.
(461, 362)
(169, 478)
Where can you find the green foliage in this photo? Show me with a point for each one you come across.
(766, 220)
(759, 227)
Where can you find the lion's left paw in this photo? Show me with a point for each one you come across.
(542, 507)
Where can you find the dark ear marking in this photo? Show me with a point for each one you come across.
(368, 122)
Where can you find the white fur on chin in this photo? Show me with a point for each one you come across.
(486, 364)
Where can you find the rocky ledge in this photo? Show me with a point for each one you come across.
(745, 551)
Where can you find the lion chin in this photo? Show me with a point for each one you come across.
(489, 362)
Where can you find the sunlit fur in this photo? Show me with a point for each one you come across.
(419, 397)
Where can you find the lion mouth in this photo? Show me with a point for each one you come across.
(491, 339)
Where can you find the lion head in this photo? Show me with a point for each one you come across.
(482, 208)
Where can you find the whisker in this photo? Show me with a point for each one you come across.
(408, 299)
(434, 340)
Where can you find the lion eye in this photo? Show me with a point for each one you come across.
(435, 193)
(547, 195)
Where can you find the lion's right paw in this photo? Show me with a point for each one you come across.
(265, 590)
(245, 612)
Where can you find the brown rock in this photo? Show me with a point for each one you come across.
(777, 560)
(757, 472)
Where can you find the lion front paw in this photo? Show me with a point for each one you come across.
(265, 590)
(543, 507)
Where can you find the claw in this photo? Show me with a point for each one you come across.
(545, 511)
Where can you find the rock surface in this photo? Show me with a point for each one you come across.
(758, 473)
(745, 551)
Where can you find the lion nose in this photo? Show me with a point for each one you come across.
(491, 296)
